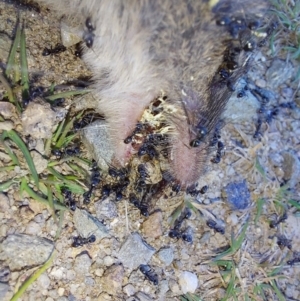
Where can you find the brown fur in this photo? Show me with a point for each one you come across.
(143, 47)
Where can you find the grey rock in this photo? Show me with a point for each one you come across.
(82, 264)
(20, 250)
(111, 281)
(106, 209)
(163, 288)
(4, 203)
(89, 281)
(240, 109)
(135, 251)
(39, 120)
(87, 225)
(143, 297)
(166, 255)
(279, 72)
(6, 125)
(291, 168)
(4, 288)
(69, 35)
(39, 161)
(96, 138)
(237, 195)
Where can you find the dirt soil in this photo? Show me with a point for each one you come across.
(258, 167)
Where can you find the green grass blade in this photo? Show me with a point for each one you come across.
(51, 203)
(279, 294)
(62, 139)
(294, 203)
(11, 96)
(40, 199)
(71, 185)
(33, 277)
(24, 66)
(9, 151)
(67, 94)
(5, 185)
(10, 67)
(259, 204)
(19, 142)
(236, 244)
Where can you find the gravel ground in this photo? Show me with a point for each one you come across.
(108, 269)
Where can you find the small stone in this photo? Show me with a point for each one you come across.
(291, 168)
(129, 290)
(6, 125)
(20, 250)
(33, 228)
(63, 298)
(4, 203)
(163, 288)
(279, 72)
(87, 225)
(188, 282)
(57, 272)
(82, 264)
(106, 209)
(166, 255)
(39, 161)
(143, 297)
(108, 260)
(112, 279)
(237, 195)
(71, 275)
(96, 138)
(44, 281)
(4, 288)
(153, 225)
(39, 120)
(7, 109)
(135, 252)
(89, 281)
(61, 291)
(70, 35)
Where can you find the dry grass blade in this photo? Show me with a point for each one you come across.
(67, 94)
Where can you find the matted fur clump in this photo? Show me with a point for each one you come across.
(139, 50)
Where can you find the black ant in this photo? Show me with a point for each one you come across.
(202, 132)
(149, 273)
(213, 225)
(80, 241)
(139, 204)
(175, 232)
(194, 192)
(33, 93)
(218, 156)
(96, 177)
(70, 202)
(106, 189)
(57, 49)
(296, 259)
(89, 35)
(86, 120)
(138, 128)
(87, 195)
(281, 219)
(284, 242)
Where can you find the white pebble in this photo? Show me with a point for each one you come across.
(188, 282)
(61, 291)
